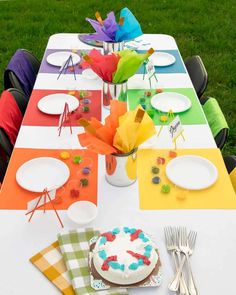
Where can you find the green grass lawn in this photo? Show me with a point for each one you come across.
(200, 27)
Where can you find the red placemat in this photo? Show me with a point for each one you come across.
(34, 117)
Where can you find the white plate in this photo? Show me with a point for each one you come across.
(162, 59)
(89, 74)
(57, 59)
(40, 173)
(82, 212)
(192, 172)
(166, 101)
(54, 104)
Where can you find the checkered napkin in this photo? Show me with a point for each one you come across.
(74, 246)
(50, 262)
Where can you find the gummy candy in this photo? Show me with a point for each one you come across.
(85, 109)
(64, 155)
(74, 193)
(164, 118)
(77, 159)
(86, 170)
(142, 100)
(161, 160)
(172, 154)
(159, 90)
(156, 180)
(147, 93)
(165, 189)
(155, 170)
(84, 181)
(86, 101)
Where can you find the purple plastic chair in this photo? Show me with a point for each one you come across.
(21, 72)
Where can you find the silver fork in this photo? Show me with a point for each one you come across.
(188, 251)
(175, 234)
(186, 246)
(171, 247)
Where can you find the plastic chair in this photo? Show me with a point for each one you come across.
(230, 163)
(21, 71)
(197, 73)
(222, 134)
(5, 153)
(20, 98)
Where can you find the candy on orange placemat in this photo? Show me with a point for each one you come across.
(74, 193)
(84, 182)
(65, 155)
(159, 90)
(77, 159)
(172, 154)
(161, 161)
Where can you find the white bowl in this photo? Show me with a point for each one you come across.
(82, 212)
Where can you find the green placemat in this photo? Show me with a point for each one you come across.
(194, 115)
(74, 246)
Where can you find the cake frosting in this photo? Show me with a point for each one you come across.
(124, 256)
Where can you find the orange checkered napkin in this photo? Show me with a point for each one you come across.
(50, 262)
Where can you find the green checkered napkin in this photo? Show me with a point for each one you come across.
(74, 246)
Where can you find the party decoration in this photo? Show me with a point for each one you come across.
(110, 30)
(116, 67)
(122, 132)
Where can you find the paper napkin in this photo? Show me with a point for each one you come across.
(74, 246)
(50, 262)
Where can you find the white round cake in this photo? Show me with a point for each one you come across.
(124, 256)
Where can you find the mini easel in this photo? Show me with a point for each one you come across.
(65, 65)
(66, 115)
(150, 70)
(170, 115)
(45, 195)
(175, 139)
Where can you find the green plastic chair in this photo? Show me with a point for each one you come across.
(216, 120)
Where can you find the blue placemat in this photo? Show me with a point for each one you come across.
(177, 67)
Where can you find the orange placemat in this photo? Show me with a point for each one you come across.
(34, 117)
(14, 197)
(219, 196)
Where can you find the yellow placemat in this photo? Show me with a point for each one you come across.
(219, 196)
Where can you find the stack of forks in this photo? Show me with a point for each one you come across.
(181, 245)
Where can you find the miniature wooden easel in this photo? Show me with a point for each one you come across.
(151, 71)
(170, 115)
(66, 65)
(175, 139)
(45, 195)
(65, 116)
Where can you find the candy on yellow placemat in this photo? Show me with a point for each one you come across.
(181, 196)
(165, 189)
(172, 154)
(65, 155)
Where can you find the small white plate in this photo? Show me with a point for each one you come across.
(192, 172)
(166, 101)
(40, 173)
(57, 59)
(162, 59)
(89, 74)
(54, 104)
(82, 212)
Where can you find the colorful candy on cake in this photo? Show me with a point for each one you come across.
(125, 256)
